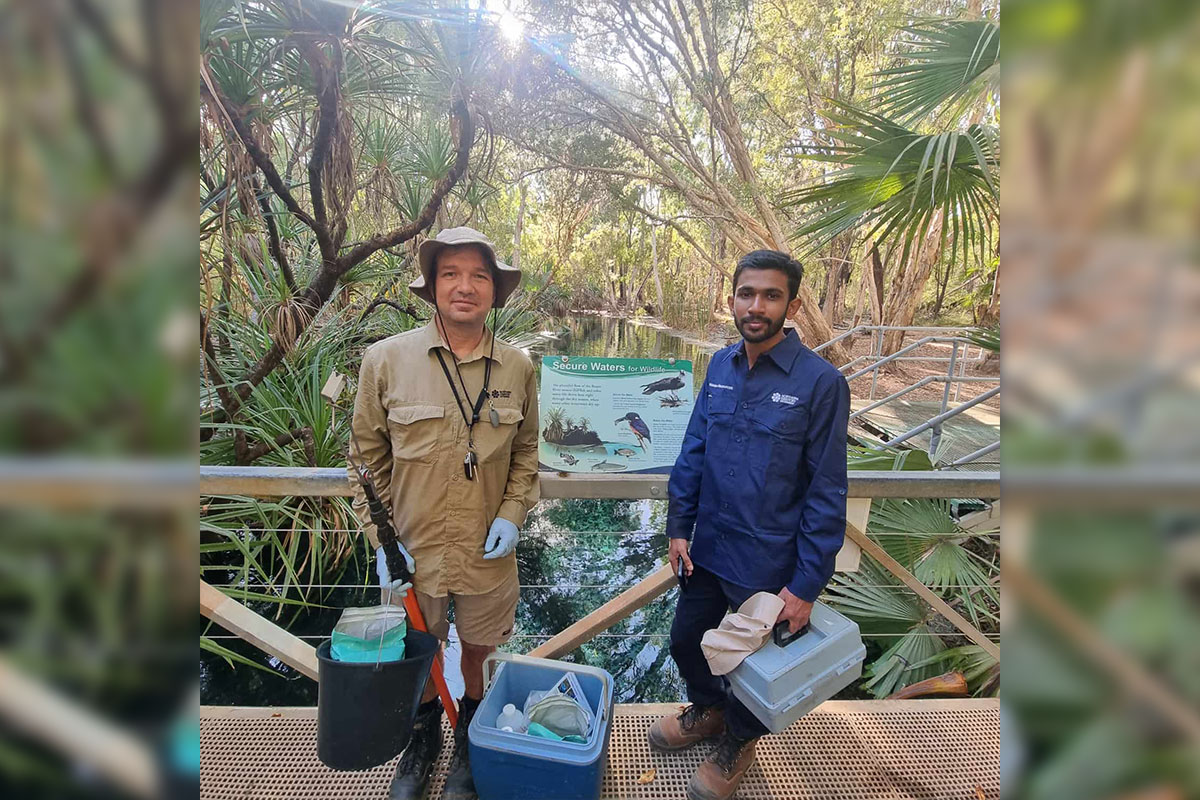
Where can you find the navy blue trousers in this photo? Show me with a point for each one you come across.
(701, 608)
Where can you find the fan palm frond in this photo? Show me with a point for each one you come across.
(896, 181)
(987, 338)
(980, 669)
(948, 64)
(897, 667)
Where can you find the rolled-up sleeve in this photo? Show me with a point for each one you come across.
(823, 512)
(683, 491)
(372, 445)
(522, 490)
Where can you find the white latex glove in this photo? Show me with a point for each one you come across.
(501, 539)
(386, 583)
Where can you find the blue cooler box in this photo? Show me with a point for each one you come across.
(516, 766)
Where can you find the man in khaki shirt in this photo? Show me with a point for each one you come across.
(452, 447)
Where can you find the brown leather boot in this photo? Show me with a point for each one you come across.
(680, 731)
(718, 777)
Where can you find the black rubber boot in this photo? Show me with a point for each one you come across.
(412, 773)
(459, 783)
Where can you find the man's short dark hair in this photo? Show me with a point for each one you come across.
(772, 259)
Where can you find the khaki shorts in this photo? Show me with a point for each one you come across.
(481, 619)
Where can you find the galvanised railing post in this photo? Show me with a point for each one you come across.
(935, 437)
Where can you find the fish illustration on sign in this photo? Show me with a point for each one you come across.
(623, 451)
(569, 459)
(605, 466)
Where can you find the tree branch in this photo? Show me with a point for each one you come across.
(465, 125)
(263, 161)
(327, 120)
(274, 243)
(383, 301)
(248, 455)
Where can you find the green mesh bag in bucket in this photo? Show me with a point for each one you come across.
(369, 635)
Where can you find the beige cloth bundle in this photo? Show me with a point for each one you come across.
(742, 633)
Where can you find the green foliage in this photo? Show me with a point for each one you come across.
(987, 338)
(593, 515)
(962, 567)
(894, 181)
(948, 64)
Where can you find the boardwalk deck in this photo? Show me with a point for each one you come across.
(857, 750)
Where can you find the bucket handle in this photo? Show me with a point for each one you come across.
(606, 691)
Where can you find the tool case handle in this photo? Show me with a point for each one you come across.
(782, 638)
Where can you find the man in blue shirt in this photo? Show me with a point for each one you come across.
(757, 503)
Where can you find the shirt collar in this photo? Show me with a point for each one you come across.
(432, 338)
(783, 354)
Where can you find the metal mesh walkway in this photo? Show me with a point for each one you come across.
(858, 750)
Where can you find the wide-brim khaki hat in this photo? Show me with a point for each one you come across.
(508, 278)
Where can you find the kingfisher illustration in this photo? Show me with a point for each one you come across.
(665, 384)
(638, 426)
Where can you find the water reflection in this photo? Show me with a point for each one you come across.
(618, 337)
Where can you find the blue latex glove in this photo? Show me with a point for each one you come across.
(501, 539)
(386, 583)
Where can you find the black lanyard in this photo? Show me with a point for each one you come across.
(470, 460)
(487, 375)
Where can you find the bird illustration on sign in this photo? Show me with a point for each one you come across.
(671, 384)
(637, 426)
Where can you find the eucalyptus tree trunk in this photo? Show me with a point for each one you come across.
(903, 300)
(520, 228)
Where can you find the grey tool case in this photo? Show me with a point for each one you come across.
(780, 684)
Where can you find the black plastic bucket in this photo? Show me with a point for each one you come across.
(365, 712)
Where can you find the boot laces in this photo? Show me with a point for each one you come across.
(691, 716)
(420, 750)
(727, 752)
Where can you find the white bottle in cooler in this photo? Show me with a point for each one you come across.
(512, 719)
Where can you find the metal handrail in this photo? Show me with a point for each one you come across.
(329, 482)
(980, 453)
(940, 418)
(928, 379)
(861, 328)
(924, 340)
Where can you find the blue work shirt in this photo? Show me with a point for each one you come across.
(760, 485)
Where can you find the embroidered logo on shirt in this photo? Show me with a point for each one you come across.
(785, 398)
(720, 386)
(501, 393)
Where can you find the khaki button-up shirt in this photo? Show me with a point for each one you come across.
(412, 437)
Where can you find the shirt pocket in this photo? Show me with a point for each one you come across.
(721, 405)
(495, 443)
(415, 432)
(779, 441)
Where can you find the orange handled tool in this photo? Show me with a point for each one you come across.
(418, 620)
(398, 569)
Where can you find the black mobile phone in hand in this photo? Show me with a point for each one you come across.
(681, 574)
